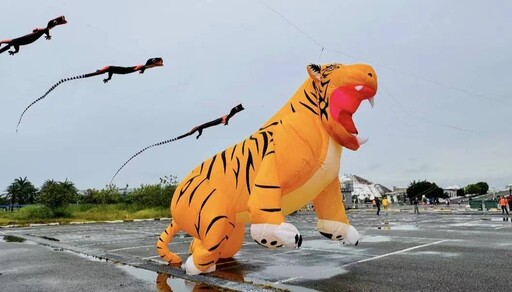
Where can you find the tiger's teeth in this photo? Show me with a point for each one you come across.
(372, 101)
(358, 87)
(361, 140)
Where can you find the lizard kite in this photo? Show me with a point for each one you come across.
(111, 70)
(31, 37)
(199, 129)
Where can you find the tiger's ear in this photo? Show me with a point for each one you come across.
(314, 71)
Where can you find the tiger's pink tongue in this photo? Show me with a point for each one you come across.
(343, 104)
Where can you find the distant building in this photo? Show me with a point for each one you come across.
(364, 189)
(399, 194)
(451, 191)
(355, 189)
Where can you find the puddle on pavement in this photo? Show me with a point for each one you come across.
(375, 238)
(279, 285)
(386, 226)
(302, 272)
(182, 235)
(499, 219)
(11, 238)
(163, 282)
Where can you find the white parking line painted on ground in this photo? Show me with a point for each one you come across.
(286, 280)
(131, 247)
(154, 257)
(396, 252)
(141, 246)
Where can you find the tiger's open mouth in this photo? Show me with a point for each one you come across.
(345, 101)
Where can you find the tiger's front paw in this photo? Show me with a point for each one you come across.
(338, 231)
(274, 236)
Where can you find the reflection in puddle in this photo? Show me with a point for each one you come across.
(400, 227)
(504, 219)
(303, 272)
(375, 238)
(10, 238)
(164, 283)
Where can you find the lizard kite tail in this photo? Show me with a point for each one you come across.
(199, 129)
(153, 62)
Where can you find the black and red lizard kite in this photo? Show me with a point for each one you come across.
(31, 37)
(199, 129)
(111, 70)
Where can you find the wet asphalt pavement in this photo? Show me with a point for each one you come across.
(398, 252)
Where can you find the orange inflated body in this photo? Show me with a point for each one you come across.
(293, 159)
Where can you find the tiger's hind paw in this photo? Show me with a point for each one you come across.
(191, 269)
(274, 236)
(338, 231)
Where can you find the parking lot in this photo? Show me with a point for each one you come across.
(398, 252)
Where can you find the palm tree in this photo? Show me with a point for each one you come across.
(21, 191)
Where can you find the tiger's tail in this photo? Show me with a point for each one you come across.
(163, 241)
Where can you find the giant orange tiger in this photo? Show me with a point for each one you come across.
(291, 160)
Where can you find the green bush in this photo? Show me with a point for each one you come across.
(152, 195)
(103, 196)
(34, 212)
(56, 195)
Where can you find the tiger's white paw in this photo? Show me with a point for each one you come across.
(274, 236)
(338, 231)
(191, 268)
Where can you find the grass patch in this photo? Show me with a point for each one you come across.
(81, 212)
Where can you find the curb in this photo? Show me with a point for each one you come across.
(84, 222)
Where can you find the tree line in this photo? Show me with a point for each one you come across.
(58, 194)
(430, 190)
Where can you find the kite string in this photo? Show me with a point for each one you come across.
(139, 152)
(432, 122)
(390, 68)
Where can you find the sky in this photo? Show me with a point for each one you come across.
(442, 110)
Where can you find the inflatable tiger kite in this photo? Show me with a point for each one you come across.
(292, 160)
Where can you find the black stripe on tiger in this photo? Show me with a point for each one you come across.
(223, 156)
(272, 124)
(256, 142)
(308, 107)
(194, 191)
(185, 188)
(206, 264)
(198, 226)
(270, 152)
(267, 186)
(314, 103)
(248, 165)
(217, 245)
(233, 153)
(271, 210)
(265, 144)
(213, 222)
(237, 172)
(211, 167)
(293, 109)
